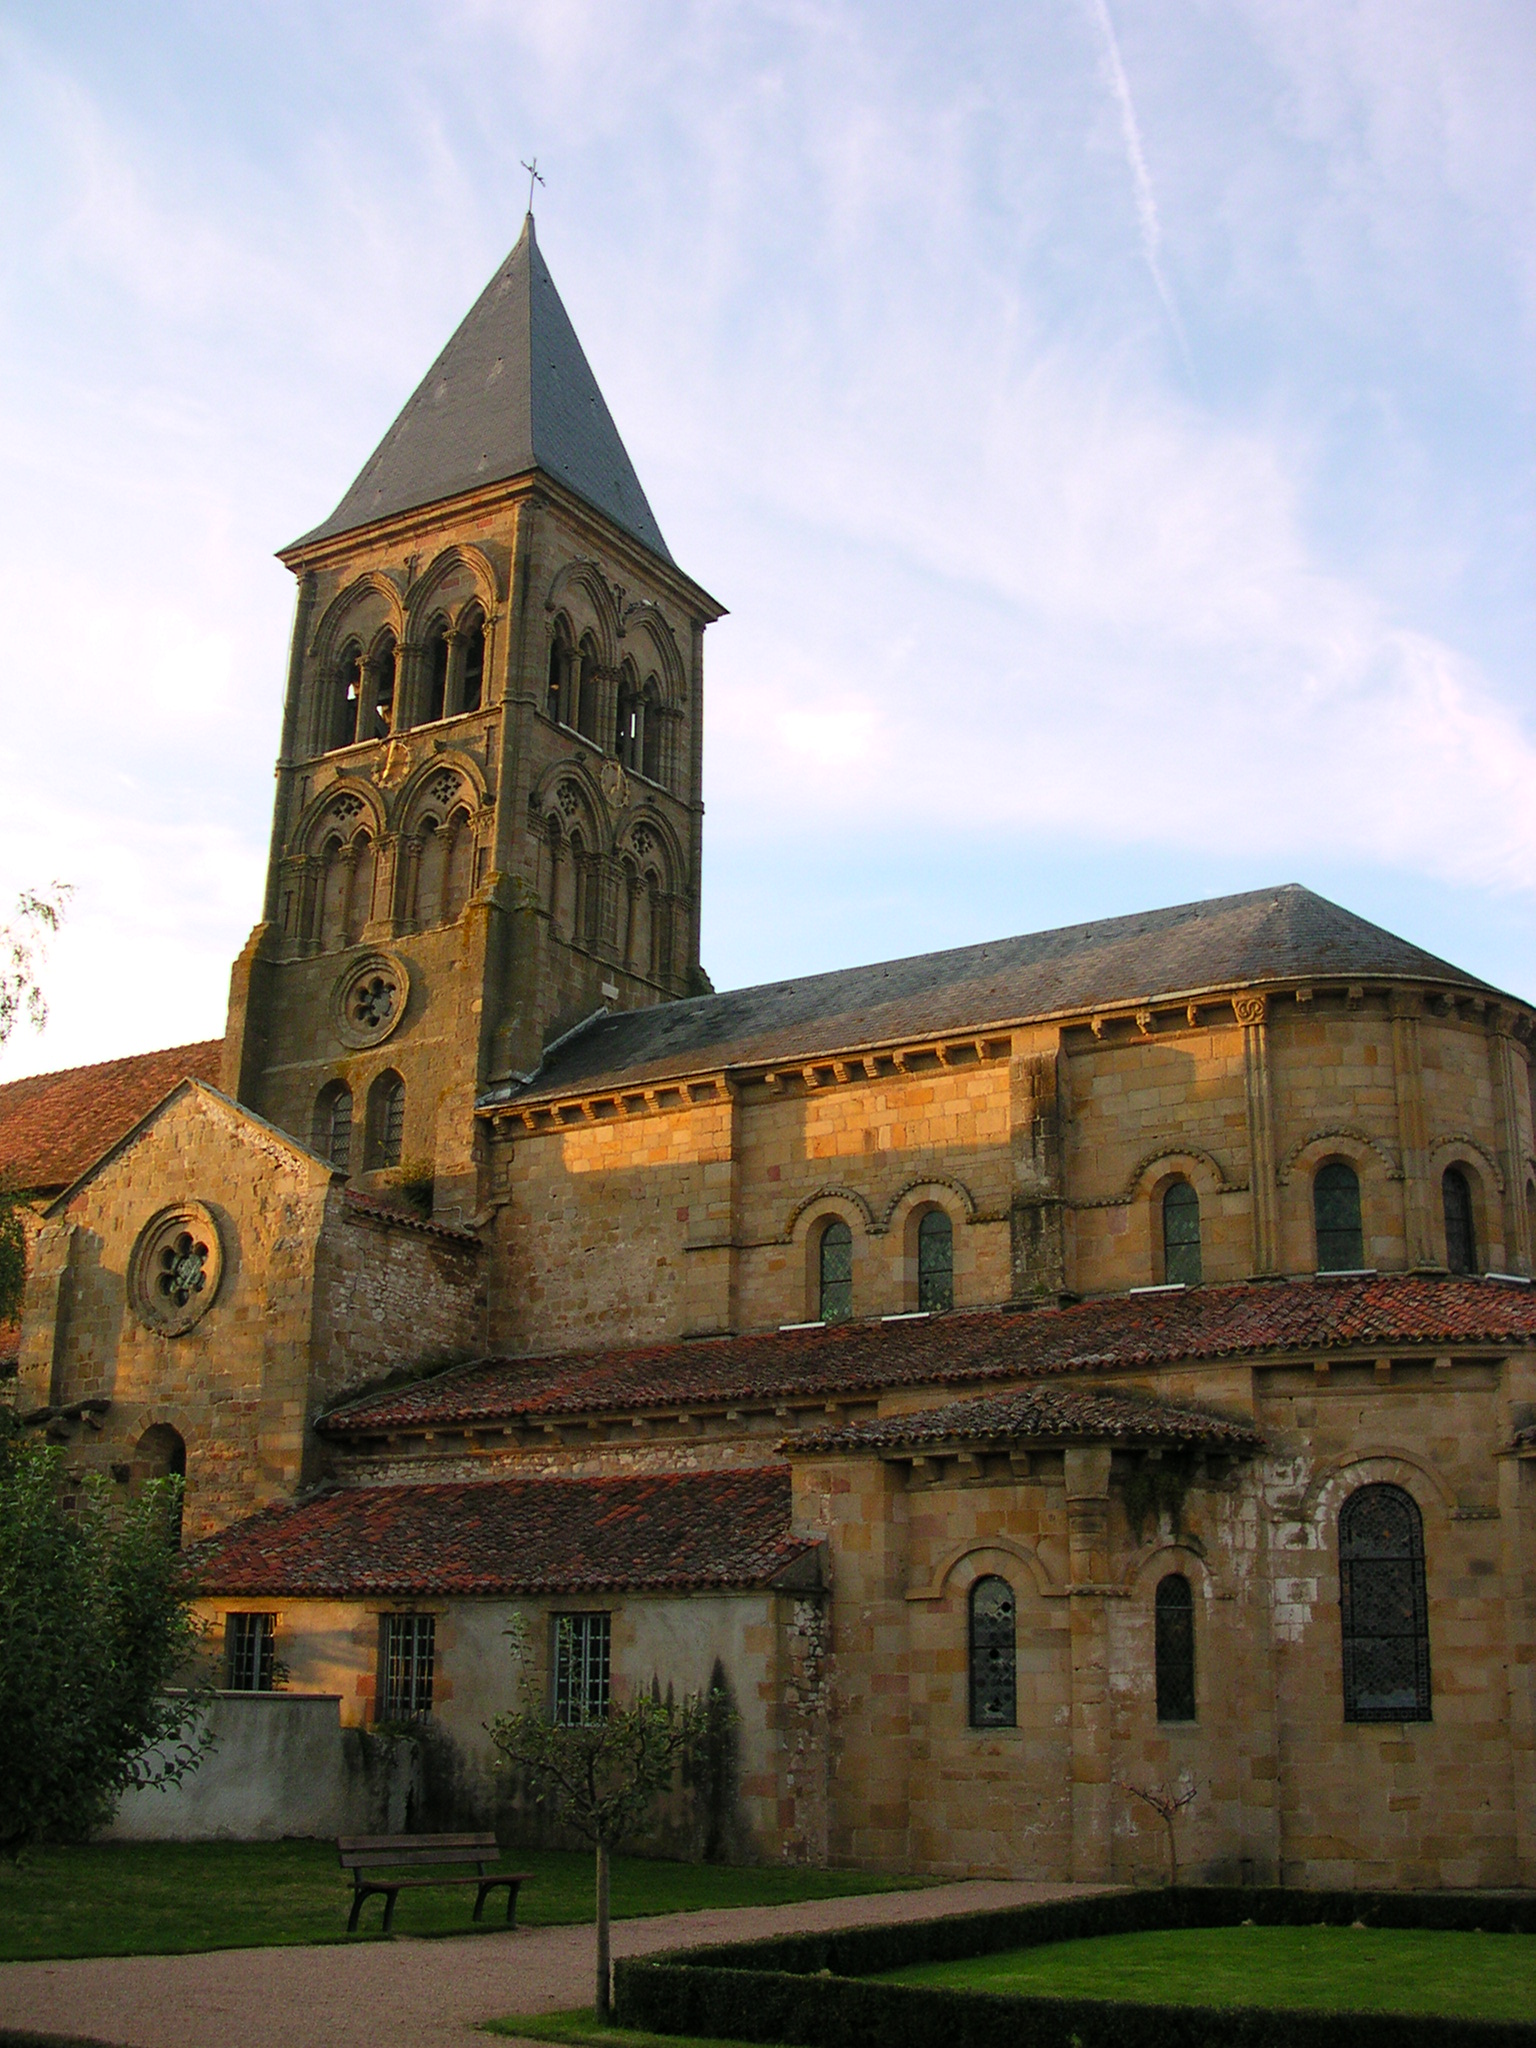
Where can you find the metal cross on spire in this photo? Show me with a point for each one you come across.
(533, 178)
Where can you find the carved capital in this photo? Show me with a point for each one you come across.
(1251, 1009)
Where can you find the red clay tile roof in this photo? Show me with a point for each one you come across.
(1047, 1412)
(1123, 1330)
(677, 1531)
(53, 1126)
(381, 1211)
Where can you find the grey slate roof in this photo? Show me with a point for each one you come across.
(512, 392)
(1278, 935)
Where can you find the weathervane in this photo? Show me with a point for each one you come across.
(533, 178)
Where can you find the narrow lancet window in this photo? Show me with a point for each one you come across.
(835, 1255)
(935, 1261)
(1460, 1236)
(472, 672)
(1181, 1235)
(1175, 1648)
(993, 1672)
(1336, 1211)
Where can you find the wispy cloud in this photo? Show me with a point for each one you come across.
(1141, 178)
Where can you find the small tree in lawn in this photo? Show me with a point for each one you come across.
(601, 1772)
(95, 1621)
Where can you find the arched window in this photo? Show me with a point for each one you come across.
(1336, 1213)
(160, 1453)
(348, 690)
(587, 692)
(378, 708)
(386, 1120)
(436, 673)
(557, 700)
(458, 869)
(332, 1128)
(1383, 1606)
(1181, 1235)
(994, 1681)
(651, 730)
(471, 662)
(334, 875)
(835, 1272)
(360, 885)
(1174, 1610)
(1460, 1235)
(935, 1261)
(626, 737)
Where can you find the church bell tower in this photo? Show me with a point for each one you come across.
(488, 810)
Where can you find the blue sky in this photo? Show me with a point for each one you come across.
(1110, 426)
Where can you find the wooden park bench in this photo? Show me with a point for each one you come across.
(366, 1854)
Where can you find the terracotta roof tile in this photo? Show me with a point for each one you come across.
(1119, 1331)
(382, 1211)
(690, 1530)
(1046, 1412)
(53, 1126)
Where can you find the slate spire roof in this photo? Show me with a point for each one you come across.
(511, 393)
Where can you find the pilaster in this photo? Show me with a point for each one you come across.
(1509, 1069)
(1253, 1015)
(1406, 1006)
(1038, 1111)
(1087, 1485)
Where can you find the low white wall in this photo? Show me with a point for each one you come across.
(282, 1764)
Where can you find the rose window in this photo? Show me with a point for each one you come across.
(182, 1273)
(174, 1273)
(369, 1000)
(371, 1003)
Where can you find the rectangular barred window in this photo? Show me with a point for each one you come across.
(407, 1654)
(248, 1641)
(581, 1668)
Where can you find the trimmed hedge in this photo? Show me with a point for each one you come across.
(806, 1988)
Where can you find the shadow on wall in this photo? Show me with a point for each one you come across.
(283, 1765)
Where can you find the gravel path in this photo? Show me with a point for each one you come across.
(404, 1993)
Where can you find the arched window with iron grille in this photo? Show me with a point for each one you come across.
(1383, 1606)
(993, 1662)
(1460, 1232)
(332, 1129)
(386, 1120)
(1174, 1623)
(835, 1272)
(1181, 1235)
(1336, 1214)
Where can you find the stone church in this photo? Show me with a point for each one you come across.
(1020, 1376)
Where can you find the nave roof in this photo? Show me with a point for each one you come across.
(1266, 937)
(1114, 1332)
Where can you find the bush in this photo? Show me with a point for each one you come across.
(95, 1619)
(807, 1989)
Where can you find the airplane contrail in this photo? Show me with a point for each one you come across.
(1141, 178)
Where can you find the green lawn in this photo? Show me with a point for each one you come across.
(161, 1898)
(1466, 1976)
(582, 2029)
